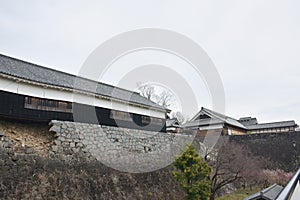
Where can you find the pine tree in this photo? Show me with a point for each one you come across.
(193, 174)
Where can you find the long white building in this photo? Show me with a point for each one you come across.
(35, 93)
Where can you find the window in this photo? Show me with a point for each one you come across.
(153, 120)
(146, 119)
(47, 105)
(157, 121)
(28, 100)
(203, 116)
(120, 115)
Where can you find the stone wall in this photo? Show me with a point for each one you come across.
(133, 150)
(32, 176)
(123, 149)
(281, 148)
(26, 172)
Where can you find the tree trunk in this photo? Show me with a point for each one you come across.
(212, 196)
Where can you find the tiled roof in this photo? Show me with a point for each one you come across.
(270, 193)
(272, 125)
(228, 120)
(246, 121)
(217, 119)
(36, 73)
(203, 122)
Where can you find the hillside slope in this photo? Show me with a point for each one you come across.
(28, 171)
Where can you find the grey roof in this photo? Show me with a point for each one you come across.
(245, 118)
(246, 121)
(203, 122)
(36, 73)
(217, 119)
(269, 193)
(272, 125)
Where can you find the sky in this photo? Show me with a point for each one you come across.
(254, 44)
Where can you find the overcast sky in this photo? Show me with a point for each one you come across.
(255, 44)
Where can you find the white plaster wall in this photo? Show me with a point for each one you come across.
(211, 127)
(50, 93)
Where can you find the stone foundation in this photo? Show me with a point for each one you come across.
(123, 149)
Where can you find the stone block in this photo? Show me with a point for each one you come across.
(75, 150)
(55, 148)
(72, 144)
(55, 129)
(57, 142)
(79, 145)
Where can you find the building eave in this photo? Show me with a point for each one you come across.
(76, 91)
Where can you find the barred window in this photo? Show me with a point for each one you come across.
(120, 115)
(157, 120)
(47, 105)
(146, 119)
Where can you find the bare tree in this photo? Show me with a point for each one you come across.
(231, 163)
(179, 116)
(206, 152)
(146, 91)
(164, 98)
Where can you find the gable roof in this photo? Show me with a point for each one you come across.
(218, 118)
(215, 118)
(39, 74)
(203, 122)
(270, 193)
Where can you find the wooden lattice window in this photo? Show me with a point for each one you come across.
(47, 104)
(120, 115)
(146, 119)
(157, 121)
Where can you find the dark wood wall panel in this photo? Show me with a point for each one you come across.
(12, 106)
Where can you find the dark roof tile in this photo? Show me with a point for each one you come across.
(271, 193)
(272, 125)
(36, 73)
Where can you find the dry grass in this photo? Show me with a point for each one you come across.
(239, 195)
(32, 135)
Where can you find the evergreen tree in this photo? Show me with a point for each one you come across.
(193, 174)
